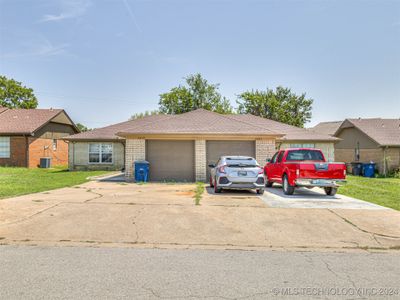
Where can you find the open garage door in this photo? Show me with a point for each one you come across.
(171, 160)
(216, 149)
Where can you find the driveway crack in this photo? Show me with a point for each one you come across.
(374, 234)
(98, 195)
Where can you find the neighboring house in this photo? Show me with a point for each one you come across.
(180, 147)
(26, 135)
(327, 127)
(366, 140)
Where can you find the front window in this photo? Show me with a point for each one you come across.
(100, 153)
(4, 147)
(301, 155)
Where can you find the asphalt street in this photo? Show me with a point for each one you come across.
(32, 272)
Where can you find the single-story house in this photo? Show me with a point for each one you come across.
(180, 147)
(26, 135)
(366, 140)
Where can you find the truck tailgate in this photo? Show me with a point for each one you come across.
(322, 170)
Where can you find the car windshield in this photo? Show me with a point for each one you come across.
(300, 155)
(244, 162)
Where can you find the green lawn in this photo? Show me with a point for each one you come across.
(382, 191)
(20, 181)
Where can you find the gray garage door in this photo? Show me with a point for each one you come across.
(216, 149)
(171, 160)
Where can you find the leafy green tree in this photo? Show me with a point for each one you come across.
(144, 114)
(14, 95)
(197, 93)
(82, 128)
(280, 105)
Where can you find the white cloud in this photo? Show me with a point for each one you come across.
(33, 45)
(70, 9)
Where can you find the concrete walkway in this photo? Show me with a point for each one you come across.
(164, 216)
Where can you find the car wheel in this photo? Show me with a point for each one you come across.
(211, 182)
(267, 182)
(260, 191)
(287, 188)
(216, 188)
(330, 191)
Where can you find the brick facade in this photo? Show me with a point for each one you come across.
(135, 149)
(376, 155)
(18, 153)
(200, 160)
(39, 147)
(265, 148)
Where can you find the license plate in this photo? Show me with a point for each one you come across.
(242, 173)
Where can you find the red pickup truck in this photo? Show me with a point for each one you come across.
(304, 167)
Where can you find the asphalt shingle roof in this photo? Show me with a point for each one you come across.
(24, 121)
(327, 127)
(202, 121)
(385, 132)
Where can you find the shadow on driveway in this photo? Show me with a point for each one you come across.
(232, 193)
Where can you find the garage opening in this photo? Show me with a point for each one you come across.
(171, 160)
(216, 149)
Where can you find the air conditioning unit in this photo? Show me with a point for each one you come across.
(45, 162)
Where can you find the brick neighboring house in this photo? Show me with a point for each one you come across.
(26, 135)
(366, 140)
(180, 147)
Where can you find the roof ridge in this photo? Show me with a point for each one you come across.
(227, 116)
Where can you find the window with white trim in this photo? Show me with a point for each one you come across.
(100, 153)
(4, 147)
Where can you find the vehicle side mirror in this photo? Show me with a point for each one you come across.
(268, 160)
(211, 165)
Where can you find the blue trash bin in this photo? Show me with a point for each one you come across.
(369, 169)
(142, 171)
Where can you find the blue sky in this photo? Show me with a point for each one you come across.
(103, 60)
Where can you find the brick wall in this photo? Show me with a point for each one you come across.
(17, 153)
(135, 149)
(200, 160)
(39, 147)
(393, 159)
(366, 155)
(265, 148)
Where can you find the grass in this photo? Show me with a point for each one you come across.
(198, 192)
(381, 191)
(20, 181)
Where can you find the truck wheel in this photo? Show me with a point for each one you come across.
(217, 190)
(260, 191)
(211, 182)
(287, 188)
(267, 182)
(330, 191)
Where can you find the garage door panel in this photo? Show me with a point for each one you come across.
(216, 149)
(171, 160)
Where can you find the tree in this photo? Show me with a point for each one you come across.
(14, 95)
(145, 114)
(197, 94)
(280, 105)
(82, 128)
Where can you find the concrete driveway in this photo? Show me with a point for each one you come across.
(164, 216)
(313, 198)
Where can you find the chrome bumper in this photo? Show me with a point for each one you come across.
(320, 182)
